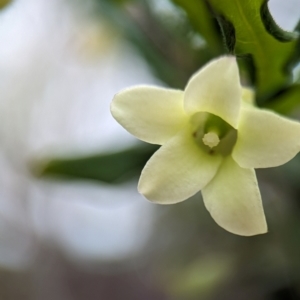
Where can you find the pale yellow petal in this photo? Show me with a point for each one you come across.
(233, 200)
(265, 139)
(216, 89)
(177, 171)
(152, 114)
(248, 95)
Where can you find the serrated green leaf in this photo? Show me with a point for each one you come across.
(107, 167)
(249, 29)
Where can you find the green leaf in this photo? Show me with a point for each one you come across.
(249, 30)
(286, 101)
(107, 167)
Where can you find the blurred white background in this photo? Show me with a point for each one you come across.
(59, 72)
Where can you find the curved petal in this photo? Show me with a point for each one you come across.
(177, 171)
(265, 139)
(233, 200)
(216, 89)
(152, 114)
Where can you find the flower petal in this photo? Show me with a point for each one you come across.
(248, 95)
(265, 139)
(152, 114)
(178, 170)
(216, 89)
(233, 200)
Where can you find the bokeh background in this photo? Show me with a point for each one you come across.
(66, 238)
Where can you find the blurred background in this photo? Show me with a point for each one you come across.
(86, 233)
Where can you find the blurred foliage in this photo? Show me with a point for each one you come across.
(201, 277)
(3, 3)
(204, 23)
(167, 50)
(200, 260)
(109, 168)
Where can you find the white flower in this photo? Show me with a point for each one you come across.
(212, 138)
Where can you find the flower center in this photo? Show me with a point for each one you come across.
(211, 139)
(213, 134)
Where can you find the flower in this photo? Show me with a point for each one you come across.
(212, 138)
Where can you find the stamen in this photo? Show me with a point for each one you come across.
(211, 139)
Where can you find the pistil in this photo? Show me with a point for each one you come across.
(211, 139)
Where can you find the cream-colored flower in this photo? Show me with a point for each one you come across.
(212, 138)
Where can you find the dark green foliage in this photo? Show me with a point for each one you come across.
(286, 101)
(106, 167)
